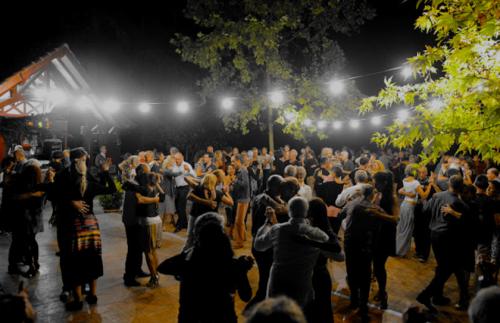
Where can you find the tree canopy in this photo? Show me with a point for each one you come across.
(250, 48)
(455, 98)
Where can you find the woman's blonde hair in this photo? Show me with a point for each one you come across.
(209, 181)
(219, 173)
(218, 154)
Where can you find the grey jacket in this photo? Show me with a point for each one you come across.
(292, 259)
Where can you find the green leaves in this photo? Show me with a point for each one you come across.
(467, 57)
(249, 48)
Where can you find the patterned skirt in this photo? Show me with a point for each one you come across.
(82, 262)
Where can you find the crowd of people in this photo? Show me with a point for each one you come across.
(298, 209)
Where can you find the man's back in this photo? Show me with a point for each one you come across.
(441, 222)
(288, 251)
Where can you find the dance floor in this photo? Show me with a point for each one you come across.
(118, 303)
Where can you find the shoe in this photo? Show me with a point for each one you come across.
(362, 312)
(421, 259)
(30, 273)
(427, 302)
(131, 283)
(441, 300)
(91, 299)
(14, 270)
(353, 305)
(74, 306)
(154, 282)
(382, 298)
(64, 296)
(462, 305)
(142, 274)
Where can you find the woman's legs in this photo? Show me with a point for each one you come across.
(152, 262)
(380, 273)
(77, 293)
(93, 287)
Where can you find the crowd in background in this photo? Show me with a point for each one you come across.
(299, 210)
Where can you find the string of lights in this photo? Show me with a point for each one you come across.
(276, 97)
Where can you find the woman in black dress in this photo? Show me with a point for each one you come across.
(321, 310)
(209, 274)
(80, 249)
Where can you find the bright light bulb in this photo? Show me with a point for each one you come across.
(290, 116)
(144, 107)
(183, 107)
(337, 125)
(376, 120)
(406, 72)
(354, 123)
(227, 103)
(321, 124)
(308, 122)
(436, 104)
(403, 115)
(112, 105)
(336, 87)
(276, 97)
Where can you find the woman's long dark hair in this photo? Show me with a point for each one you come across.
(318, 215)
(384, 183)
(211, 243)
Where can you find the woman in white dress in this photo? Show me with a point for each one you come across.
(411, 190)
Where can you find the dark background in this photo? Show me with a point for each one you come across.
(126, 52)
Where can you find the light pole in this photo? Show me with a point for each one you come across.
(277, 98)
(270, 127)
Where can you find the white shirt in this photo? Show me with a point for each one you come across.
(306, 192)
(347, 194)
(180, 179)
(411, 187)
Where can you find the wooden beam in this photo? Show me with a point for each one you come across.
(26, 73)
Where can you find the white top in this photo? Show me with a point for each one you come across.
(149, 220)
(305, 191)
(411, 187)
(179, 180)
(347, 194)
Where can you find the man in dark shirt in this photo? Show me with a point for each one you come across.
(321, 173)
(347, 164)
(281, 162)
(361, 227)
(486, 216)
(446, 209)
(264, 259)
(292, 160)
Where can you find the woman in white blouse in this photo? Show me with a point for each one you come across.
(305, 190)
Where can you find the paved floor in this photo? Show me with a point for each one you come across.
(141, 304)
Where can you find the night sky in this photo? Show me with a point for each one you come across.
(126, 52)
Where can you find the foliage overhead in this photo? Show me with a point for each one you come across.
(251, 47)
(456, 100)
